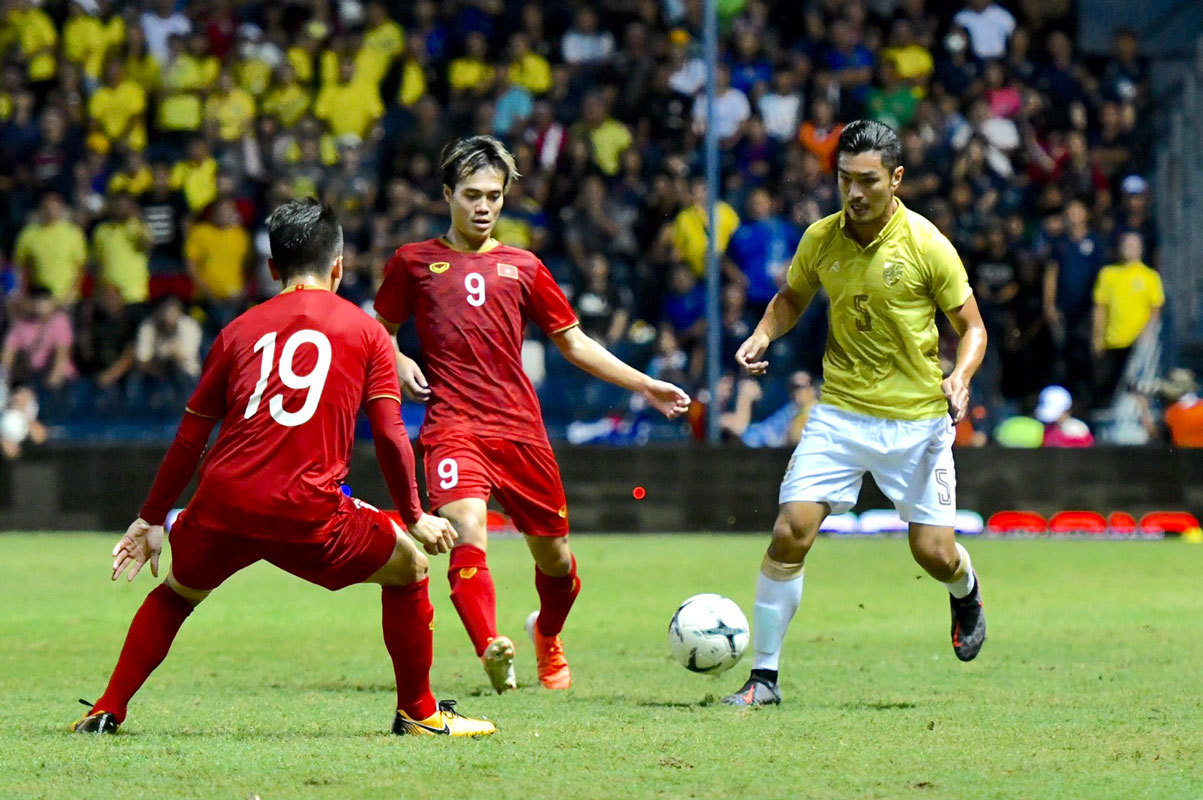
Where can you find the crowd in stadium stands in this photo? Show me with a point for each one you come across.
(143, 144)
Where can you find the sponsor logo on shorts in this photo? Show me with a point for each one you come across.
(563, 512)
(467, 573)
(439, 267)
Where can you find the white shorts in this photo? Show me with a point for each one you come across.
(911, 460)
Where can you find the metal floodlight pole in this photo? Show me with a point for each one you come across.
(713, 314)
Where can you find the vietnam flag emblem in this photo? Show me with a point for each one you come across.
(508, 271)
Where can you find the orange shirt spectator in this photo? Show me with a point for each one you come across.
(1183, 419)
(821, 134)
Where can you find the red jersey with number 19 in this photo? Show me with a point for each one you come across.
(471, 309)
(287, 379)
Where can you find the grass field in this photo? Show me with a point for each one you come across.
(1089, 685)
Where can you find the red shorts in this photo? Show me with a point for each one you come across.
(524, 477)
(358, 541)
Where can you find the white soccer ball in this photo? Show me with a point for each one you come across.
(708, 634)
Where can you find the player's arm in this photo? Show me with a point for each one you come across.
(143, 540)
(396, 458)
(967, 322)
(584, 352)
(413, 382)
(781, 315)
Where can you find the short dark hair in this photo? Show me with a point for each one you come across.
(305, 238)
(871, 136)
(470, 154)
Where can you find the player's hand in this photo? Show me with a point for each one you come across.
(669, 400)
(142, 542)
(957, 392)
(435, 534)
(413, 382)
(750, 354)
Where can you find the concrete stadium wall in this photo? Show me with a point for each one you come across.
(689, 488)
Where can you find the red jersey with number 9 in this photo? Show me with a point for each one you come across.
(287, 379)
(470, 310)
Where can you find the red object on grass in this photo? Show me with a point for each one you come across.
(1090, 522)
(1007, 522)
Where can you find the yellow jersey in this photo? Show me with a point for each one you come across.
(121, 250)
(1129, 293)
(349, 108)
(219, 256)
(115, 107)
(882, 344)
(689, 234)
(54, 254)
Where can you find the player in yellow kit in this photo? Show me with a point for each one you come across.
(886, 407)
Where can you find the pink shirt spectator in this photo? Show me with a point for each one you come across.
(39, 339)
(1070, 433)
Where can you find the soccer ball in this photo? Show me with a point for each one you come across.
(708, 634)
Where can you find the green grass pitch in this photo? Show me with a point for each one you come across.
(1088, 687)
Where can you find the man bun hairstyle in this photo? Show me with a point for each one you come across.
(470, 154)
(305, 238)
(871, 136)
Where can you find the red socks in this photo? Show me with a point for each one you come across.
(556, 596)
(473, 595)
(146, 645)
(407, 618)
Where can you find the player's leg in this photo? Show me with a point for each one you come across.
(473, 593)
(557, 583)
(824, 475)
(407, 620)
(530, 489)
(459, 483)
(919, 476)
(200, 558)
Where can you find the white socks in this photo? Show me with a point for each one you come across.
(962, 586)
(778, 594)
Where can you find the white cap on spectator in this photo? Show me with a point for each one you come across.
(1134, 184)
(1054, 401)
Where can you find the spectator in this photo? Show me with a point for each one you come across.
(165, 212)
(167, 354)
(1128, 297)
(685, 305)
(690, 229)
(514, 104)
(848, 64)
(760, 250)
(104, 341)
(36, 39)
(218, 256)
(196, 176)
(1126, 76)
(37, 347)
(603, 305)
(989, 25)
(383, 41)
(781, 107)
(584, 43)
(117, 111)
(821, 133)
(288, 99)
(528, 69)
(1075, 259)
(1135, 216)
(19, 422)
(782, 428)
(1184, 416)
(912, 60)
(470, 75)
(596, 223)
(608, 138)
(893, 102)
(162, 24)
(52, 250)
(230, 109)
(188, 73)
(121, 246)
(351, 106)
(1061, 429)
(731, 109)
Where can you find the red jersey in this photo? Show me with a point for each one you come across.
(287, 379)
(470, 310)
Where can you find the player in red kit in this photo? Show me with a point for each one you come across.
(286, 380)
(471, 298)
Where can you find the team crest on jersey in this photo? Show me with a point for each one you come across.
(892, 273)
(439, 267)
(507, 271)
